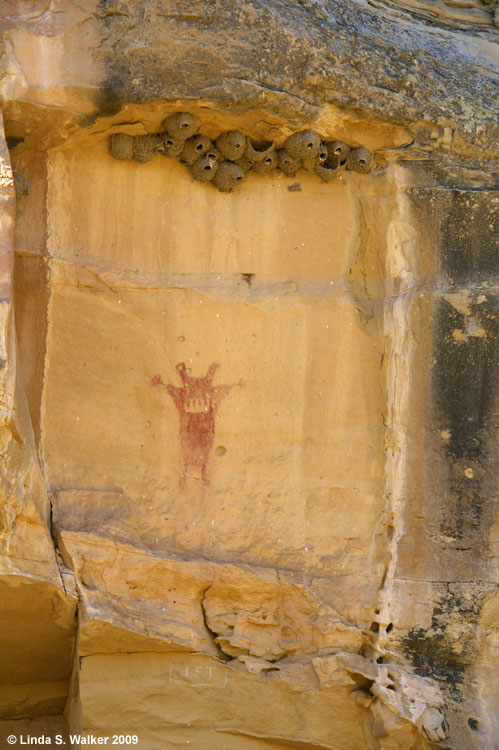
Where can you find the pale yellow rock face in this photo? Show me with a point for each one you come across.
(247, 472)
(285, 460)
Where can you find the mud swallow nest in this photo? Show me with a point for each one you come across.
(225, 161)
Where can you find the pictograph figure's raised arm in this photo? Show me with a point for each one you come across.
(182, 371)
(156, 380)
(220, 391)
(210, 373)
(177, 395)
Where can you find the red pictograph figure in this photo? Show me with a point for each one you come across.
(197, 401)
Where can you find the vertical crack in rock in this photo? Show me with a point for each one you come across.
(398, 364)
(223, 656)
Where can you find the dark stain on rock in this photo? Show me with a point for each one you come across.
(464, 379)
(469, 234)
(13, 142)
(465, 357)
(460, 472)
(446, 649)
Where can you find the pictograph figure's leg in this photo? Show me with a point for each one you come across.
(183, 476)
(204, 474)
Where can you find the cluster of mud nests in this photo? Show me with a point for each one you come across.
(225, 161)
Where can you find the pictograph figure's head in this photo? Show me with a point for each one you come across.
(182, 371)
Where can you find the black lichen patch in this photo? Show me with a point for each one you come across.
(469, 225)
(465, 374)
(21, 185)
(448, 647)
(13, 142)
(465, 360)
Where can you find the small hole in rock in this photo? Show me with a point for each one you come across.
(380, 660)
(337, 150)
(199, 147)
(391, 687)
(474, 724)
(221, 450)
(211, 156)
(238, 178)
(169, 143)
(268, 160)
(310, 145)
(362, 161)
(207, 168)
(389, 627)
(184, 125)
(374, 627)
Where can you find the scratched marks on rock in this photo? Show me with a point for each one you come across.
(198, 675)
(197, 401)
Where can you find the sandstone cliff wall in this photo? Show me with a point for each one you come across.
(317, 566)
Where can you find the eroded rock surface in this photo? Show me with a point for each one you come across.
(248, 467)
